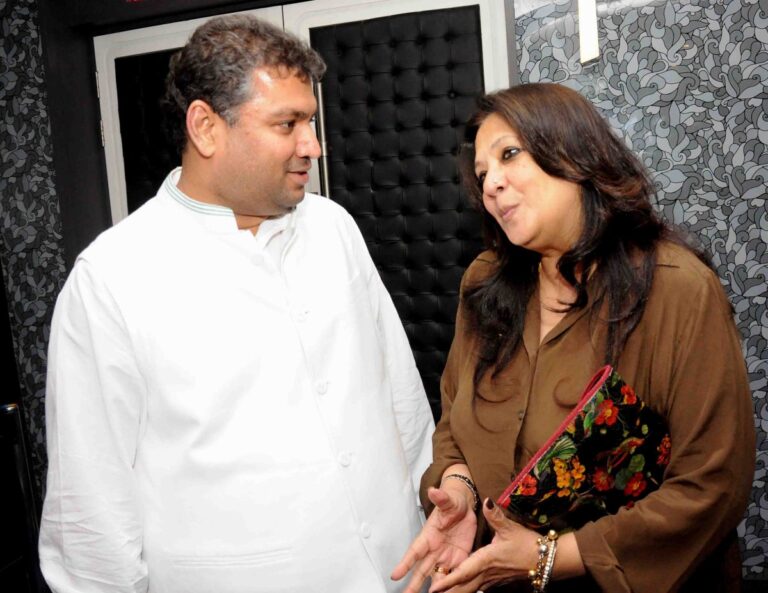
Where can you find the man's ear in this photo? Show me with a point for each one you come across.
(203, 125)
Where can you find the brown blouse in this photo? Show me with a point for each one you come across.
(684, 359)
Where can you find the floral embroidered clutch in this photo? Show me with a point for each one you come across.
(610, 451)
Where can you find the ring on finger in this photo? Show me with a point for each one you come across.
(441, 569)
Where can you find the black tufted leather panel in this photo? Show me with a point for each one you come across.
(397, 93)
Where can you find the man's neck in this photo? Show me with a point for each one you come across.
(249, 223)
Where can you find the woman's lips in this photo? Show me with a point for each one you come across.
(508, 212)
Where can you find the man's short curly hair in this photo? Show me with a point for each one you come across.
(217, 62)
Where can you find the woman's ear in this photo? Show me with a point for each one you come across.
(202, 128)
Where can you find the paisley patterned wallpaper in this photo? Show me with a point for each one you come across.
(686, 84)
(31, 254)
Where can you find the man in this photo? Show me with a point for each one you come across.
(232, 403)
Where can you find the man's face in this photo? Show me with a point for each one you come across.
(265, 158)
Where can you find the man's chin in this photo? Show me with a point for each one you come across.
(293, 199)
(299, 194)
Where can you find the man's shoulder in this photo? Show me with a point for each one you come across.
(316, 205)
(320, 216)
(138, 232)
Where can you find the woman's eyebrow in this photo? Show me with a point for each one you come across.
(502, 139)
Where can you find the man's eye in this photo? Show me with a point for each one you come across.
(509, 153)
(288, 125)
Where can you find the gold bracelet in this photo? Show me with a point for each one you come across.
(469, 484)
(547, 548)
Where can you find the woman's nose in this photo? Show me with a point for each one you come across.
(493, 182)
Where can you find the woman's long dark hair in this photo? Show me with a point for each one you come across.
(568, 139)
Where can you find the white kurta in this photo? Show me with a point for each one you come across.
(229, 413)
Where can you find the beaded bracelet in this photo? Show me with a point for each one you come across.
(471, 485)
(547, 548)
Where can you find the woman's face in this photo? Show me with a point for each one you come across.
(535, 210)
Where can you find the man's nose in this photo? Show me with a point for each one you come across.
(308, 145)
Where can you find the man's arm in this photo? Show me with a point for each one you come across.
(91, 531)
(412, 411)
(411, 407)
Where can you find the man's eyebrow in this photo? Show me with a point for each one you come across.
(293, 113)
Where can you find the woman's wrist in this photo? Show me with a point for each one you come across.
(558, 557)
(546, 548)
(469, 486)
(457, 478)
(568, 563)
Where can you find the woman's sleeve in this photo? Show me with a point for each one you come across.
(656, 545)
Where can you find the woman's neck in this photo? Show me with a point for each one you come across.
(554, 291)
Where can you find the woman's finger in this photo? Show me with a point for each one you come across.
(418, 549)
(423, 571)
(475, 585)
(497, 520)
(441, 499)
(466, 572)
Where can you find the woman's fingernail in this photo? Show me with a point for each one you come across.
(489, 504)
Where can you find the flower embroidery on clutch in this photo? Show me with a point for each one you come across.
(609, 452)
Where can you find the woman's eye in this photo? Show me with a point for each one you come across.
(509, 153)
(480, 179)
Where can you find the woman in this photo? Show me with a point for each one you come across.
(580, 272)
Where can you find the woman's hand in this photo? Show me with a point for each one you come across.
(509, 557)
(445, 540)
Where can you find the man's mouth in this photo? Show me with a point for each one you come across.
(301, 174)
